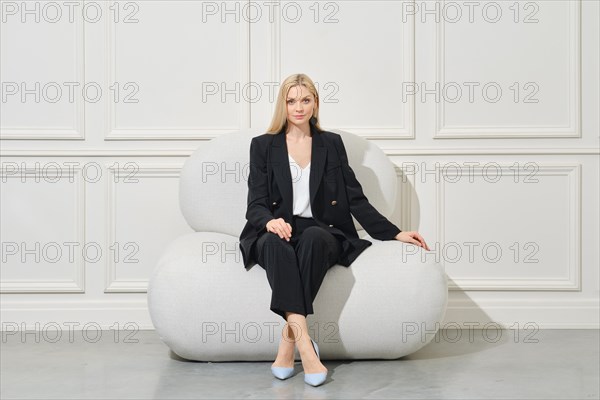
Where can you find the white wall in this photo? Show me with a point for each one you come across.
(119, 152)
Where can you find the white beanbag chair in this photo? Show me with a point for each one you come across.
(205, 306)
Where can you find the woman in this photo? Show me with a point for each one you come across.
(301, 194)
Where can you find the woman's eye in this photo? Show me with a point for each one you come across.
(292, 101)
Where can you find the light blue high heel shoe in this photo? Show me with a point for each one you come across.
(319, 377)
(282, 372)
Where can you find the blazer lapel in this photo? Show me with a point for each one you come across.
(281, 169)
(317, 164)
(281, 166)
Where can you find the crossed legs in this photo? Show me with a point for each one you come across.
(295, 271)
(293, 334)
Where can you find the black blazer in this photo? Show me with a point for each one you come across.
(334, 194)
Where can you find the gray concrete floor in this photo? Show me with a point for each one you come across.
(562, 364)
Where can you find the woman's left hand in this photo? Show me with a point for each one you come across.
(412, 237)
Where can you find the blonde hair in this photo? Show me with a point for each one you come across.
(279, 120)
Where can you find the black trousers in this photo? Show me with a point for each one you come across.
(296, 269)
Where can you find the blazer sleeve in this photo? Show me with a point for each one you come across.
(258, 212)
(376, 225)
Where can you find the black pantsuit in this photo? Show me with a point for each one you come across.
(296, 269)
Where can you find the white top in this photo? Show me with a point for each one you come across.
(300, 179)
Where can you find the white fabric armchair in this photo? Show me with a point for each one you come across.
(205, 306)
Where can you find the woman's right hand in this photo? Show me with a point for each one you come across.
(280, 227)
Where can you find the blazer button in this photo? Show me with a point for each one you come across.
(331, 226)
(333, 202)
(274, 203)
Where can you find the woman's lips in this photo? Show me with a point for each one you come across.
(299, 116)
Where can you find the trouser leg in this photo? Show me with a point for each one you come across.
(317, 250)
(296, 269)
(278, 258)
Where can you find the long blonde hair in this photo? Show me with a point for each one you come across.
(279, 120)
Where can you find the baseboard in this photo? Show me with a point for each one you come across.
(460, 314)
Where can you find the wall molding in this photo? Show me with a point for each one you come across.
(573, 269)
(390, 151)
(112, 283)
(572, 130)
(406, 131)
(114, 132)
(76, 284)
(77, 131)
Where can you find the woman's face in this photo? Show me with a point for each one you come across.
(300, 105)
